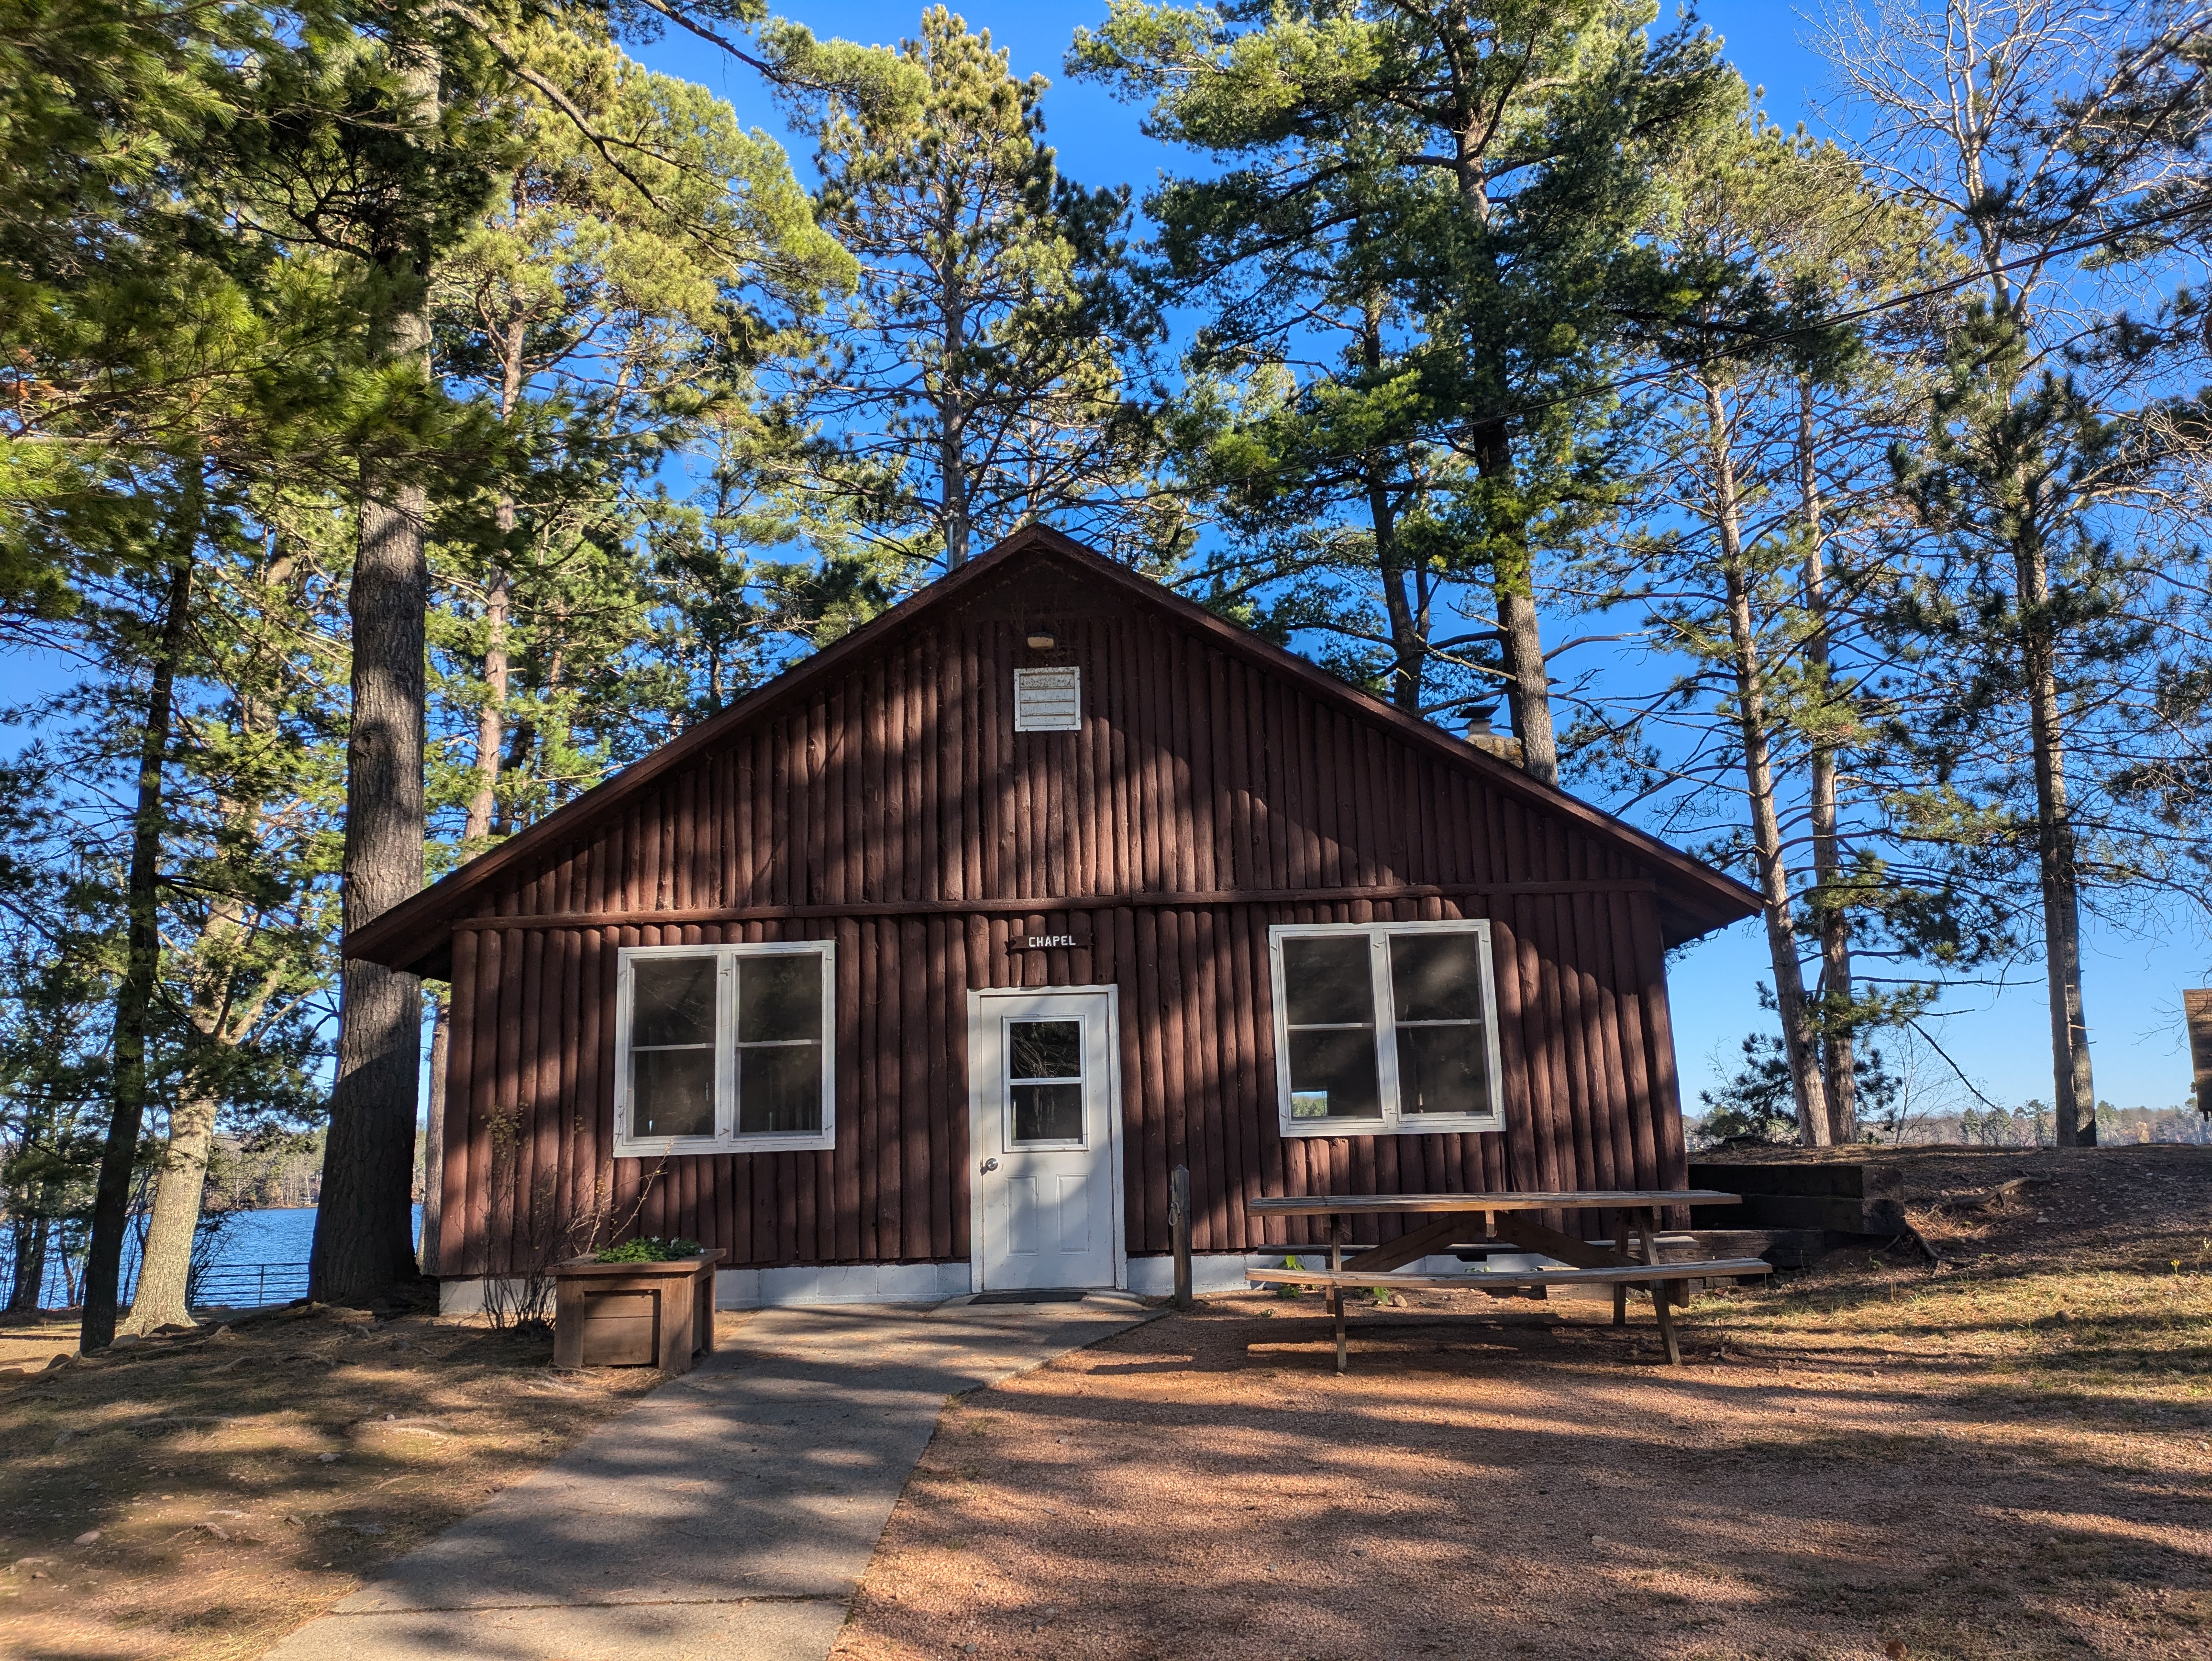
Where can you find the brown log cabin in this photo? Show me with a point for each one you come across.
(917, 971)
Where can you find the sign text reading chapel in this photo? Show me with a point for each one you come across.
(1049, 942)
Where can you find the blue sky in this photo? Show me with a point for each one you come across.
(1998, 1036)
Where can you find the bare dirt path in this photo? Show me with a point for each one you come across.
(2008, 1456)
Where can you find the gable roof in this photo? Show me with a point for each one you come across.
(1694, 898)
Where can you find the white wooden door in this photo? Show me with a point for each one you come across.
(1044, 1121)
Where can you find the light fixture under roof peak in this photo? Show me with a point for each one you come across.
(1042, 643)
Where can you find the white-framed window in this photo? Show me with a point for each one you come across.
(1385, 1028)
(1044, 1083)
(725, 1049)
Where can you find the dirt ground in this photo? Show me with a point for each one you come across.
(2008, 1454)
(198, 1497)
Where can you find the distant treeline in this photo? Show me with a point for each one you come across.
(285, 1171)
(2027, 1126)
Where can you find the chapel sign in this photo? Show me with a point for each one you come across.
(1079, 941)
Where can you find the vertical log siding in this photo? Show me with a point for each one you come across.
(899, 809)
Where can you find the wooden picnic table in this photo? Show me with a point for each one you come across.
(1504, 1217)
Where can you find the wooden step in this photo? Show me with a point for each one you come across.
(1785, 1248)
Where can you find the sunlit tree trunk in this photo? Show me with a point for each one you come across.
(1837, 1060)
(364, 1225)
(165, 1269)
(1798, 1039)
(134, 997)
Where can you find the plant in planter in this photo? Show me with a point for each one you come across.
(648, 1250)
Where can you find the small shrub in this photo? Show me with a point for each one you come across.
(649, 1249)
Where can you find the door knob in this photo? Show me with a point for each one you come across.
(989, 1165)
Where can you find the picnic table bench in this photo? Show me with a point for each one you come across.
(1504, 1217)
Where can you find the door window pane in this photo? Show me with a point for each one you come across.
(1047, 1113)
(672, 1092)
(1038, 1051)
(779, 997)
(671, 1000)
(780, 1087)
(1327, 981)
(1442, 1069)
(1044, 1049)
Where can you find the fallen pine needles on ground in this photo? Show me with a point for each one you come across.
(2007, 1457)
(198, 1495)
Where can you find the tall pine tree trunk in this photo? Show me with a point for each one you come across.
(1408, 626)
(1528, 694)
(483, 802)
(221, 1018)
(492, 718)
(2075, 1098)
(952, 484)
(1799, 1043)
(142, 966)
(29, 1231)
(165, 1263)
(1838, 1062)
(364, 1226)
(1513, 577)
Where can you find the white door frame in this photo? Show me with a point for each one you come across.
(979, 1002)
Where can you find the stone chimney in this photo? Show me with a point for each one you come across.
(1481, 735)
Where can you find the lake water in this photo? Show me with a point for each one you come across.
(259, 1257)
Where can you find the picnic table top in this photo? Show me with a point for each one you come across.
(1585, 1200)
(1717, 1269)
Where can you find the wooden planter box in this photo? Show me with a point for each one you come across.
(633, 1315)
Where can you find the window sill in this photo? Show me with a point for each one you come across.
(1437, 1125)
(647, 1147)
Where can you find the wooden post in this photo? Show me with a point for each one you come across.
(1336, 1231)
(1620, 1290)
(1179, 1232)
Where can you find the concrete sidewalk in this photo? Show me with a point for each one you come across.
(729, 1515)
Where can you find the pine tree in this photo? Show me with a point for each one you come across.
(977, 382)
(1500, 159)
(1770, 440)
(2040, 620)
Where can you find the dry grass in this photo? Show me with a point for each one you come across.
(2006, 1456)
(197, 1497)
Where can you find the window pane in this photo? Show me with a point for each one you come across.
(1436, 978)
(1047, 1113)
(1044, 1049)
(1326, 979)
(780, 996)
(1442, 1069)
(1340, 1067)
(779, 1088)
(672, 1001)
(672, 1092)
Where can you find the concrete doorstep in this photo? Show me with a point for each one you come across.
(730, 1514)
